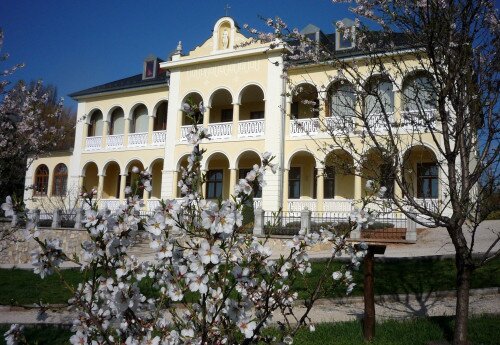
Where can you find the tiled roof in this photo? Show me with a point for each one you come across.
(132, 82)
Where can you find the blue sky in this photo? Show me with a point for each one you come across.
(78, 44)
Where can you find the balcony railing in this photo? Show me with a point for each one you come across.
(185, 131)
(429, 204)
(257, 202)
(110, 204)
(251, 128)
(337, 205)
(299, 205)
(93, 143)
(339, 124)
(159, 138)
(152, 204)
(114, 141)
(418, 119)
(377, 122)
(304, 127)
(220, 130)
(137, 139)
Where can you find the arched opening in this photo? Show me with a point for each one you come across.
(379, 168)
(221, 107)
(340, 111)
(252, 103)
(111, 186)
(378, 102)
(41, 180)
(139, 119)
(160, 122)
(90, 177)
(217, 185)
(305, 102)
(117, 122)
(134, 169)
(338, 175)
(60, 182)
(95, 124)
(301, 177)
(246, 161)
(421, 172)
(192, 98)
(156, 174)
(419, 100)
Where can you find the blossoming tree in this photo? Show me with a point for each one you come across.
(211, 283)
(441, 60)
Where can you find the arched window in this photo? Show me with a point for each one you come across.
(160, 123)
(95, 125)
(140, 119)
(419, 94)
(60, 180)
(117, 124)
(380, 97)
(342, 101)
(41, 180)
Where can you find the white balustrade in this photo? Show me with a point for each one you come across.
(377, 122)
(114, 141)
(304, 127)
(153, 204)
(159, 138)
(110, 204)
(337, 205)
(299, 205)
(137, 139)
(257, 202)
(429, 204)
(93, 143)
(417, 119)
(251, 128)
(338, 124)
(220, 130)
(185, 131)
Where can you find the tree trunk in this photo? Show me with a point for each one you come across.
(462, 310)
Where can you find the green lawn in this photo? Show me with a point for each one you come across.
(405, 276)
(483, 330)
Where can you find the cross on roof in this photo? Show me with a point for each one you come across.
(227, 8)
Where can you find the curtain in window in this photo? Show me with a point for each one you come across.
(342, 101)
(419, 93)
(140, 119)
(60, 179)
(386, 95)
(117, 122)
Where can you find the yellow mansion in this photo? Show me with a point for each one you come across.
(138, 122)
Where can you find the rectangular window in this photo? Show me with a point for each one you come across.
(256, 115)
(427, 180)
(226, 115)
(149, 72)
(214, 184)
(257, 191)
(387, 179)
(294, 183)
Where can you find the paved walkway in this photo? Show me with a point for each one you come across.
(482, 301)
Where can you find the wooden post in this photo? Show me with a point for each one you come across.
(369, 294)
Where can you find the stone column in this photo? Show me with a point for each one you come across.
(305, 220)
(358, 187)
(56, 219)
(123, 182)
(411, 230)
(100, 186)
(236, 119)
(322, 111)
(105, 132)
(320, 190)
(175, 181)
(84, 134)
(78, 218)
(285, 189)
(204, 184)
(396, 88)
(258, 224)
(81, 181)
(206, 117)
(151, 124)
(232, 180)
(126, 131)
